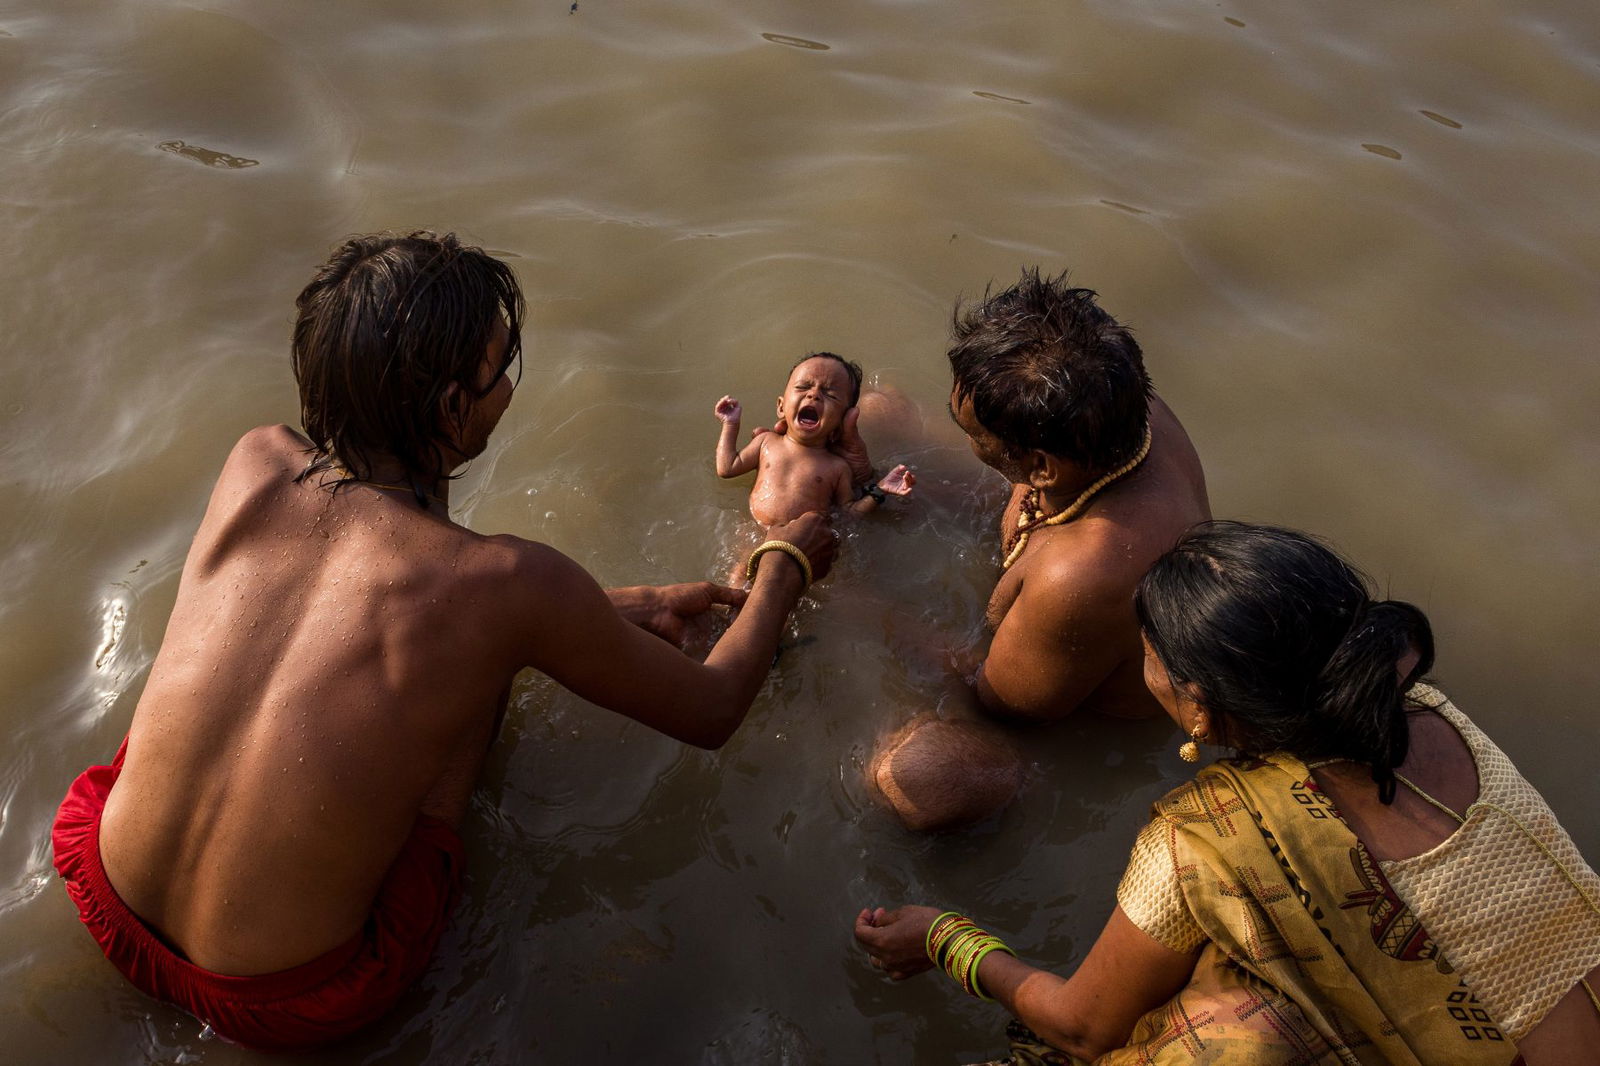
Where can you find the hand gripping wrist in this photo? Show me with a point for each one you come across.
(786, 548)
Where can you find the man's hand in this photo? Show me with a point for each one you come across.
(813, 534)
(729, 410)
(853, 450)
(668, 610)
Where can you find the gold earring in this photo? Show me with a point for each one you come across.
(1189, 751)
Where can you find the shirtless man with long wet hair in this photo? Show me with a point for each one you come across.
(274, 849)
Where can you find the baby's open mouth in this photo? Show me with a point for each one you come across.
(808, 417)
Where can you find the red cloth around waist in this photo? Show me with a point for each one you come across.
(321, 1000)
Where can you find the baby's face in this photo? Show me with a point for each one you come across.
(816, 400)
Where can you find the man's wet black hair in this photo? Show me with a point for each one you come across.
(1284, 644)
(1045, 367)
(853, 368)
(387, 324)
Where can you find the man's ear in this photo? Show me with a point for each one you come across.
(1045, 471)
(452, 402)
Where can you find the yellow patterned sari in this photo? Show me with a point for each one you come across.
(1310, 958)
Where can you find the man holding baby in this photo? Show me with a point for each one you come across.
(274, 847)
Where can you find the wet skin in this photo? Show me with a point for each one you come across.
(333, 668)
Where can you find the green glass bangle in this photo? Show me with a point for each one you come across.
(934, 926)
(961, 951)
(975, 987)
(953, 932)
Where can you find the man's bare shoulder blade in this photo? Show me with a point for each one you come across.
(272, 445)
(531, 576)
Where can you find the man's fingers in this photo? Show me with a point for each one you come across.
(727, 597)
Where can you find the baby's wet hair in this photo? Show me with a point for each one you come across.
(853, 368)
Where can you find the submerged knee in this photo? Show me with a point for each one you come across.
(939, 774)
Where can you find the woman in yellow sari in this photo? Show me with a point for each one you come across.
(1368, 880)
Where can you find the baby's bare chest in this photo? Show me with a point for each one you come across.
(789, 484)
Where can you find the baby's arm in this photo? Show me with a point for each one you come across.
(731, 462)
(897, 482)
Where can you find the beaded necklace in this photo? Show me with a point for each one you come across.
(1031, 516)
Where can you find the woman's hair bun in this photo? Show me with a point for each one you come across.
(1283, 640)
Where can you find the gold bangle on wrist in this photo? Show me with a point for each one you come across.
(786, 548)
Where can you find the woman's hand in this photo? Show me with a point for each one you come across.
(897, 940)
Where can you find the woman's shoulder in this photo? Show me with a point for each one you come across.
(1213, 791)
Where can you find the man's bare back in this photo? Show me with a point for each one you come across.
(338, 657)
(330, 656)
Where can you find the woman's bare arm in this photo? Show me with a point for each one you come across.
(1126, 974)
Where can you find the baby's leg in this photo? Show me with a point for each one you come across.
(747, 534)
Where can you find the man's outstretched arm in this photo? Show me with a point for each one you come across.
(576, 636)
(667, 610)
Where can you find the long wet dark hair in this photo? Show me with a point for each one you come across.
(387, 324)
(1285, 645)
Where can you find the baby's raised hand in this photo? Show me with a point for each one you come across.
(898, 482)
(728, 409)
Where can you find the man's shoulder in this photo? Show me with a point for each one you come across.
(276, 446)
(514, 564)
(1090, 555)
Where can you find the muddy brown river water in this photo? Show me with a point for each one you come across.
(1358, 241)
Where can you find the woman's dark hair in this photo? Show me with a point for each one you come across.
(1047, 368)
(387, 324)
(1285, 644)
(850, 367)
